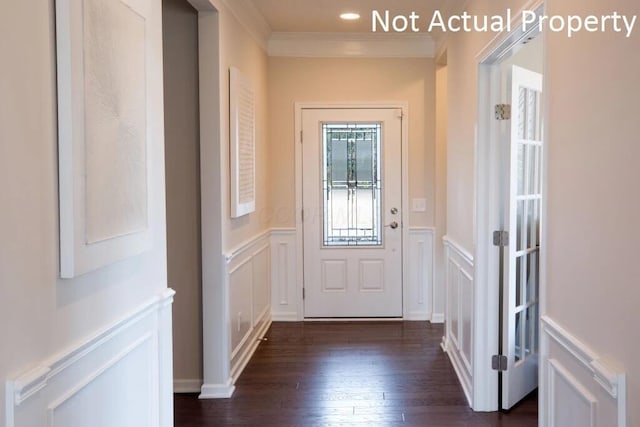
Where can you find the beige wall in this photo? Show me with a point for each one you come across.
(238, 49)
(462, 108)
(347, 80)
(593, 195)
(40, 314)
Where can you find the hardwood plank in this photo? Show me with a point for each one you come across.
(348, 373)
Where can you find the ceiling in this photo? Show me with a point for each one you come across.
(323, 15)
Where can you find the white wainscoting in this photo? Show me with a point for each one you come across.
(418, 292)
(119, 376)
(248, 271)
(285, 305)
(458, 340)
(578, 387)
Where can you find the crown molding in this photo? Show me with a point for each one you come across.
(251, 19)
(351, 45)
(448, 8)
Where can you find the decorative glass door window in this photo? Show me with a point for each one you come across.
(351, 181)
(528, 199)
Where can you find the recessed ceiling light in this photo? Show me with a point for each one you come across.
(350, 16)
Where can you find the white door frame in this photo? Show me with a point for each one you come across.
(299, 106)
(487, 214)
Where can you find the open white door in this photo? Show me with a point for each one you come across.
(352, 201)
(521, 284)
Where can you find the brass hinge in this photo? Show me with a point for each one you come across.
(503, 112)
(499, 362)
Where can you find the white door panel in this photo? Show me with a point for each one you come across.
(520, 333)
(352, 212)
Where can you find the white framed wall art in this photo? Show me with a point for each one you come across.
(242, 144)
(103, 147)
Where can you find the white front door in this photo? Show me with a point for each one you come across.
(352, 200)
(521, 293)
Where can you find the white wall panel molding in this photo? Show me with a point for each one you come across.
(251, 19)
(70, 387)
(284, 298)
(356, 45)
(459, 340)
(248, 276)
(418, 290)
(577, 382)
(567, 392)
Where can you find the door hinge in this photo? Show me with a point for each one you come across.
(499, 362)
(302, 215)
(503, 112)
(500, 238)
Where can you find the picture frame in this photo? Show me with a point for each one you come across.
(103, 132)
(242, 144)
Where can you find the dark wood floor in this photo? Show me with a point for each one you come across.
(338, 374)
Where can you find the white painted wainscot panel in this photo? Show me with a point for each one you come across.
(121, 376)
(458, 339)
(248, 271)
(578, 388)
(418, 295)
(284, 302)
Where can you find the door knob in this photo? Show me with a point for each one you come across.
(393, 225)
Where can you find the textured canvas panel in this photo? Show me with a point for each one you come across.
(115, 120)
(242, 144)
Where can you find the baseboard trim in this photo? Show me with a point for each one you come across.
(217, 391)
(437, 318)
(187, 386)
(443, 344)
(284, 317)
(246, 355)
(465, 382)
(417, 316)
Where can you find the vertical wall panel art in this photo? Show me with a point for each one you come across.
(242, 141)
(103, 148)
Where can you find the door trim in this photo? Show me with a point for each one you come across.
(299, 106)
(487, 215)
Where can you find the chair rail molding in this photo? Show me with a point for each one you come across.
(576, 383)
(73, 385)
